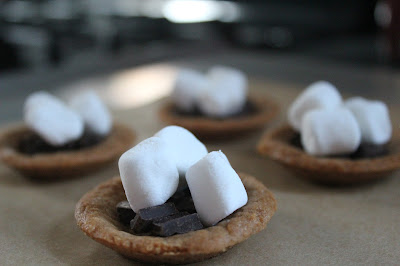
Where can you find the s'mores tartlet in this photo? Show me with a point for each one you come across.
(62, 140)
(167, 208)
(332, 141)
(216, 104)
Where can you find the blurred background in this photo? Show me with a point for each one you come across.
(45, 44)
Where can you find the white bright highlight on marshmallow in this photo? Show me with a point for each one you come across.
(189, 84)
(226, 92)
(216, 188)
(320, 94)
(183, 146)
(373, 119)
(51, 119)
(93, 111)
(148, 173)
(330, 132)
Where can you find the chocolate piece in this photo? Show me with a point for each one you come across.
(248, 109)
(183, 200)
(155, 212)
(138, 225)
(296, 141)
(89, 138)
(170, 217)
(366, 150)
(146, 227)
(144, 218)
(180, 194)
(185, 204)
(32, 143)
(179, 225)
(125, 213)
(182, 185)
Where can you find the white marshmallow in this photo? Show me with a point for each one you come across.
(373, 119)
(226, 93)
(320, 94)
(183, 147)
(330, 132)
(51, 119)
(188, 86)
(93, 111)
(37, 98)
(229, 76)
(148, 173)
(216, 188)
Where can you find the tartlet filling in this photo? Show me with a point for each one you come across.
(33, 144)
(249, 108)
(176, 216)
(365, 150)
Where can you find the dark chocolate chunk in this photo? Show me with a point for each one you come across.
(180, 194)
(186, 205)
(89, 138)
(177, 216)
(182, 186)
(296, 141)
(144, 218)
(183, 200)
(158, 211)
(170, 217)
(366, 150)
(138, 225)
(32, 143)
(179, 225)
(125, 213)
(248, 109)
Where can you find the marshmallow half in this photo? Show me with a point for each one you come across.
(373, 119)
(93, 111)
(183, 146)
(319, 95)
(330, 132)
(51, 119)
(225, 94)
(189, 84)
(216, 188)
(148, 173)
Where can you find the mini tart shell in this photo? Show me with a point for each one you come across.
(97, 217)
(210, 128)
(57, 165)
(336, 171)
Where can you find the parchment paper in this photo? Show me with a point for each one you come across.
(314, 225)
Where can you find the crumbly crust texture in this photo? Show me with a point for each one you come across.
(97, 217)
(275, 144)
(209, 128)
(58, 165)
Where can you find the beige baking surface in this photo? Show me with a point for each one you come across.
(314, 225)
